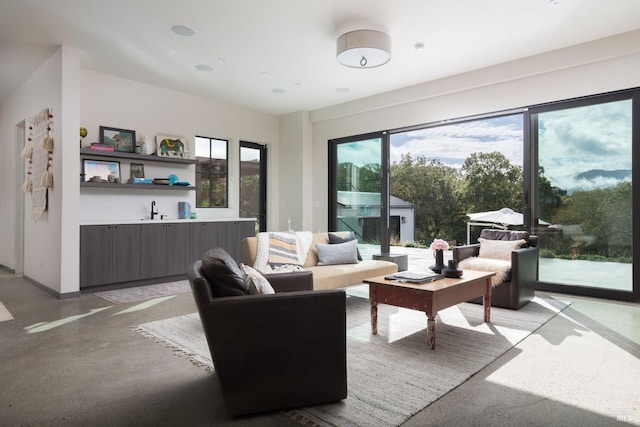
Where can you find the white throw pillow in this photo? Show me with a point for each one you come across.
(499, 249)
(258, 284)
(338, 253)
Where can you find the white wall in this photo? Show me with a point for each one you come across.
(151, 110)
(602, 66)
(43, 244)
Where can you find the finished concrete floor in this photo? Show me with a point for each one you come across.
(77, 362)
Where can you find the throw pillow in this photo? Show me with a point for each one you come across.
(333, 239)
(338, 253)
(258, 284)
(223, 274)
(499, 249)
(283, 249)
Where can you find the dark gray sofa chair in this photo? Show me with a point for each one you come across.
(271, 351)
(519, 288)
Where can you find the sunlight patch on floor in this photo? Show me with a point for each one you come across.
(45, 326)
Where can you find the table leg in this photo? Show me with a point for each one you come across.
(374, 309)
(486, 301)
(431, 331)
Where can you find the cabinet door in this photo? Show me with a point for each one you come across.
(153, 250)
(96, 255)
(177, 252)
(126, 252)
(204, 236)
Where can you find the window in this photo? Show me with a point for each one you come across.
(211, 172)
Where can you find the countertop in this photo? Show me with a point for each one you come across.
(158, 221)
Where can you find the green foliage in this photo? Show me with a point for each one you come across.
(491, 182)
(434, 190)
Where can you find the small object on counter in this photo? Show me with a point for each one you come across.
(184, 210)
(194, 214)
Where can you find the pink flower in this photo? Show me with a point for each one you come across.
(439, 245)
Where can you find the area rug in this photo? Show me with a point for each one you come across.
(4, 313)
(141, 293)
(392, 375)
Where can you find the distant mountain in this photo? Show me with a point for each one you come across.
(620, 174)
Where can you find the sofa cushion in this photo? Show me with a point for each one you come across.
(258, 284)
(499, 249)
(338, 253)
(334, 238)
(223, 274)
(337, 276)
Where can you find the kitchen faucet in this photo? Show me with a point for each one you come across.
(154, 209)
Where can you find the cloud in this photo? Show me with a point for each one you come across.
(452, 144)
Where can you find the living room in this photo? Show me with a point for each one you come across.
(297, 139)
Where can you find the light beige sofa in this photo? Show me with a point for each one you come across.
(328, 276)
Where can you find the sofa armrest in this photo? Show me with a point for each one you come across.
(289, 282)
(524, 267)
(466, 251)
(293, 343)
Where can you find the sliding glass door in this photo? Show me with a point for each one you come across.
(356, 199)
(583, 201)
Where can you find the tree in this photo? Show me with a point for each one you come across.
(433, 188)
(491, 182)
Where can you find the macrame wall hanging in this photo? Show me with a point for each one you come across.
(38, 153)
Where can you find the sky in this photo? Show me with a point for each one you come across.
(571, 141)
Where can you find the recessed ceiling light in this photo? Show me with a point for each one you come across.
(278, 90)
(419, 46)
(343, 90)
(181, 30)
(204, 67)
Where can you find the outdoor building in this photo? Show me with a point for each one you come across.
(360, 212)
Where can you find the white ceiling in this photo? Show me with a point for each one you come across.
(256, 46)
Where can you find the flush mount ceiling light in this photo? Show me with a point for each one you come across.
(364, 49)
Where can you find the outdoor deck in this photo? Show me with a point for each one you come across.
(605, 275)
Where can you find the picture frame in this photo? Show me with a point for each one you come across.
(171, 146)
(137, 170)
(120, 139)
(101, 170)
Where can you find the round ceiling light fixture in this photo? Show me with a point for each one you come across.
(364, 49)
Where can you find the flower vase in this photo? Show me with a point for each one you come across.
(438, 254)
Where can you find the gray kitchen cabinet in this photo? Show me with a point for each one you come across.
(204, 236)
(178, 248)
(96, 255)
(126, 252)
(164, 250)
(111, 254)
(153, 250)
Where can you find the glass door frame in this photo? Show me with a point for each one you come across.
(531, 182)
(262, 215)
(384, 195)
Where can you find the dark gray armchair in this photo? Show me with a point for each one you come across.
(271, 351)
(519, 287)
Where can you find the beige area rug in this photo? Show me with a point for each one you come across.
(393, 375)
(141, 293)
(4, 313)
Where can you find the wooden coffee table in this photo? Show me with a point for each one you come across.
(430, 297)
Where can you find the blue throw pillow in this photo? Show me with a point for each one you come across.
(337, 239)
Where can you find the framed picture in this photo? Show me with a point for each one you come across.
(171, 146)
(137, 170)
(101, 171)
(120, 139)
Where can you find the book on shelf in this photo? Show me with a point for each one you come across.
(101, 147)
